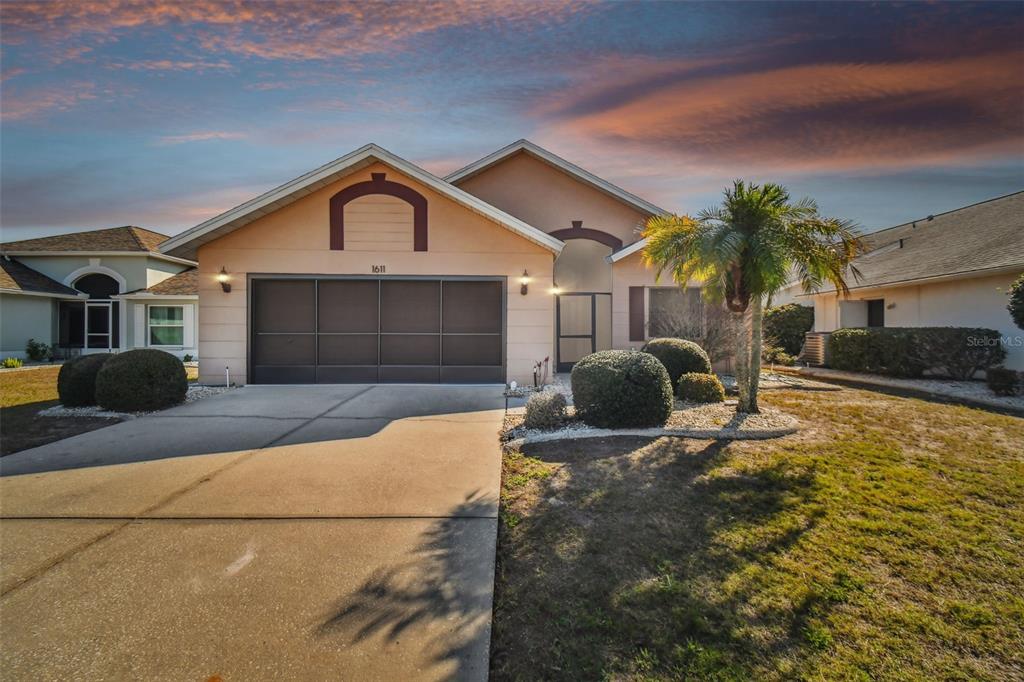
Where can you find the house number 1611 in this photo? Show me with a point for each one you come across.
(378, 269)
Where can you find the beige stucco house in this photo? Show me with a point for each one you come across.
(947, 270)
(371, 269)
(97, 291)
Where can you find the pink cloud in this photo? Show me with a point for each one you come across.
(31, 103)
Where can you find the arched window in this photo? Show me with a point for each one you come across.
(97, 285)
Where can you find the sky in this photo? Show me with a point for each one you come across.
(164, 114)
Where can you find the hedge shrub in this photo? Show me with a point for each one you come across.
(700, 388)
(1003, 381)
(76, 381)
(679, 357)
(621, 388)
(545, 410)
(1016, 304)
(37, 351)
(959, 352)
(141, 380)
(786, 326)
(12, 363)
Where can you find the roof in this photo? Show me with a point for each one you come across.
(128, 238)
(627, 250)
(185, 244)
(986, 237)
(18, 277)
(185, 283)
(572, 169)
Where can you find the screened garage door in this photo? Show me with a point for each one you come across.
(377, 331)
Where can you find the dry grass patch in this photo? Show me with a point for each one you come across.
(881, 542)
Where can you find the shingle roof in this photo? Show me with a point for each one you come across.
(976, 238)
(17, 276)
(127, 238)
(185, 283)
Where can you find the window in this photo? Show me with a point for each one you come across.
(166, 325)
(674, 311)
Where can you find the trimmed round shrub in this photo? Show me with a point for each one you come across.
(545, 410)
(700, 388)
(140, 381)
(1003, 381)
(679, 356)
(621, 388)
(76, 381)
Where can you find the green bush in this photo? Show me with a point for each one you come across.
(621, 388)
(12, 363)
(37, 351)
(1003, 381)
(140, 381)
(695, 387)
(76, 381)
(775, 354)
(959, 352)
(679, 357)
(786, 326)
(1016, 304)
(545, 410)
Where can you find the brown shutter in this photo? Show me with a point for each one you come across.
(636, 313)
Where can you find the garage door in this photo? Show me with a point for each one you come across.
(377, 331)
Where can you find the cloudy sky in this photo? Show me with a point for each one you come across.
(164, 114)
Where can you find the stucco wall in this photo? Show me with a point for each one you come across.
(978, 302)
(22, 318)
(582, 266)
(296, 239)
(550, 199)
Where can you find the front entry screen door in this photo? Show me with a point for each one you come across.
(583, 326)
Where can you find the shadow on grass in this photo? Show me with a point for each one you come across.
(23, 428)
(438, 601)
(647, 559)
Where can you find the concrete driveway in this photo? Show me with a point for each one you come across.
(317, 532)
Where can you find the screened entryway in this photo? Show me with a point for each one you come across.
(93, 324)
(583, 326)
(377, 330)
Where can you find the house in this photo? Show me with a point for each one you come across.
(97, 291)
(946, 270)
(371, 269)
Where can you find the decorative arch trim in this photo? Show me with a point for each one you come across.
(577, 231)
(122, 283)
(379, 185)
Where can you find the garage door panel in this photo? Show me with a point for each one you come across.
(410, 306)
(472, 375)
(285, 349)
(284, 305)
(284, 375)
(346, 375)
(347, 349)
(347, 305)
(409, 375)
(471, 350)
(472, 307)
(409, 349)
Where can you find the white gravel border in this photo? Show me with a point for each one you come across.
(194, 393)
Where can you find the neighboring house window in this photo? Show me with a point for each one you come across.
(674, 311)
(876, 312)
(166, 325)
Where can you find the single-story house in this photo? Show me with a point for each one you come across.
(97, 291)
(371, 269)
(946, 270)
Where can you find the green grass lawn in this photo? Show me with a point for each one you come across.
(884, 541)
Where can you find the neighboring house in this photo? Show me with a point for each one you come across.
(97, 291)
(948, 270)
(371, 269)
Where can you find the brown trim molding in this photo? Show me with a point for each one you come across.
(577, 231)
(636, 313)
(378, 185)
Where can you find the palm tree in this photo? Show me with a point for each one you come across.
(746, 250)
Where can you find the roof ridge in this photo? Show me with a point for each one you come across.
(952, 210)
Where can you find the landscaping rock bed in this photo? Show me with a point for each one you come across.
(194, 393)
(715, 421)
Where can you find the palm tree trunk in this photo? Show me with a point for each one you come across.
(742, 359)
(756, 315)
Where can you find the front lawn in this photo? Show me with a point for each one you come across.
(23, 393)
(884, 541)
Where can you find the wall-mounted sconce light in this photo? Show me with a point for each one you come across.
(555, 290)
(223, 278)
(891, 306)
(524, 281)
